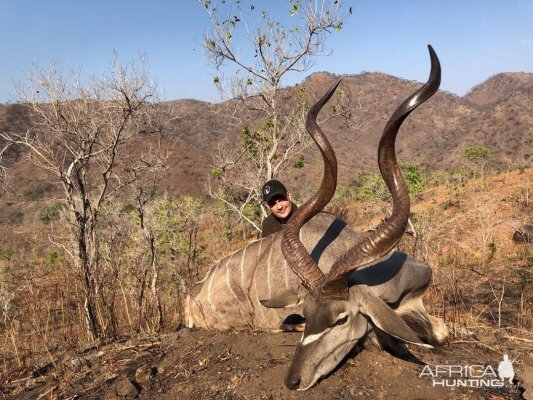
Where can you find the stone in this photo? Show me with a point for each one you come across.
(144, 374)
(127, 389)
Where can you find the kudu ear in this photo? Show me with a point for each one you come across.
(285, 299)
(386, 319)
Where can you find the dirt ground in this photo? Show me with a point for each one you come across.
(196, 364)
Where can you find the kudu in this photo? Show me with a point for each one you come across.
(261, 284)
(344, 306)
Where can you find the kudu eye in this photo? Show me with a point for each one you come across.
(341, 321)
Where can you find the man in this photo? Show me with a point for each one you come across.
(278, 201)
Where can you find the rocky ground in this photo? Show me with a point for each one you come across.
(196, 364)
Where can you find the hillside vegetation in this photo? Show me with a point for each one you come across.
(468, 165)
(496, 114)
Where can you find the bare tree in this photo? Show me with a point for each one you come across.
(270, 50)
(82, 128)
(144, 192)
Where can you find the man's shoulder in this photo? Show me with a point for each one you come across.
(271, 220)
(270, 225)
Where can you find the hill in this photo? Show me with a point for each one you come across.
(495, 114)
(500, 86)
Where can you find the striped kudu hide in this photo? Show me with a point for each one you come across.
(239, 286)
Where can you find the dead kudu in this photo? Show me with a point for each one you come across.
(350, 285)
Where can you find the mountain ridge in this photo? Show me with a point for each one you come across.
(495, 114)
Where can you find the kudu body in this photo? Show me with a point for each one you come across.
(350, 284)
(254, 288)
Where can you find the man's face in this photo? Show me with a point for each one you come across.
(280, 206)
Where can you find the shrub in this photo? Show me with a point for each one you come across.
(300, 163)
(372, 185)
(415, 178)
(127, 208)
(49, 214)
(252, 211)
(31, 196)
(6, 254)
(52, 257)
(15, 219)
(476, 153)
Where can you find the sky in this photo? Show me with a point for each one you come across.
(474, 40)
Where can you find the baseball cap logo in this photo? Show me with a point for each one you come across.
(267, 189)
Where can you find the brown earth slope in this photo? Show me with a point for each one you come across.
(496, 114)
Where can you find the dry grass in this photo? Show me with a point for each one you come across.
(482, 280)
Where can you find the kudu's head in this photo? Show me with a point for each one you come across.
(338, 316)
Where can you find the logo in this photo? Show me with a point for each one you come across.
(476, 376)
(267, 189)
(506, 370)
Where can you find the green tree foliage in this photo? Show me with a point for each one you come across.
(300, 162)
(477, 153)
(416, 179)
(371, 185)
(32, 196)
(6, 254)
(52, 257)
(175, 220)
(128, 208)
(49, 214)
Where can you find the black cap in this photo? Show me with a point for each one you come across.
(273, 188)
